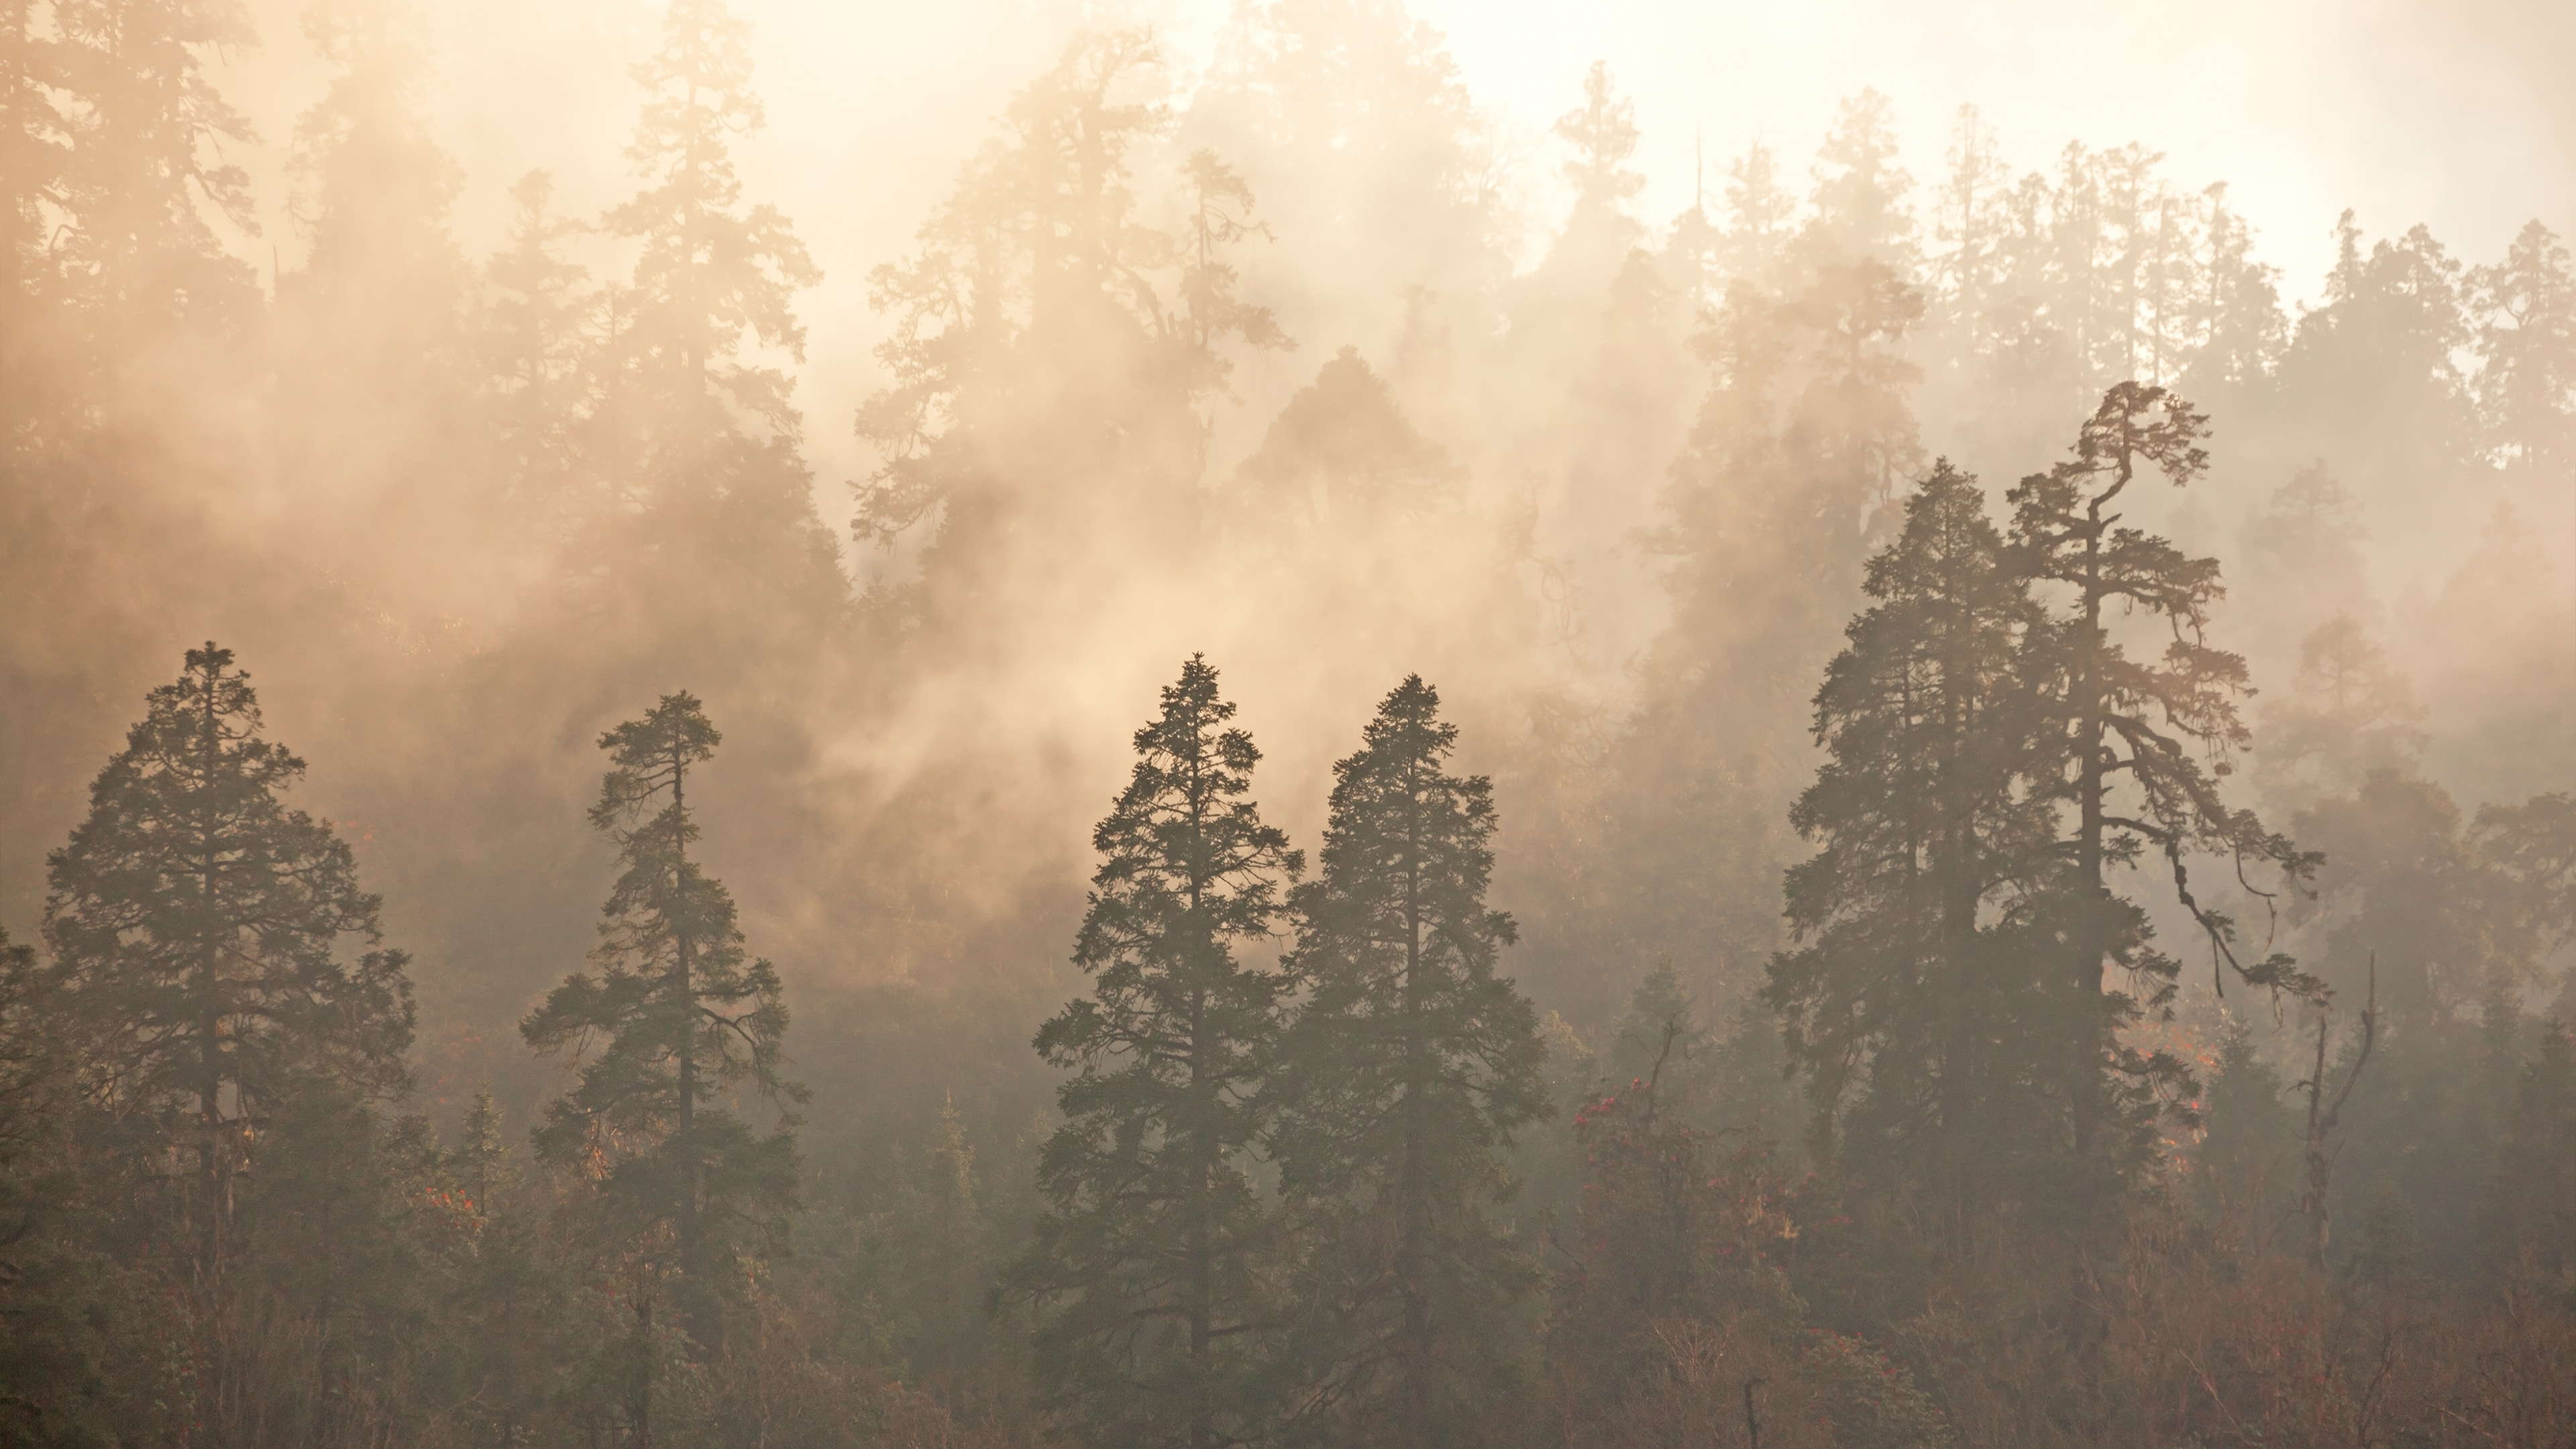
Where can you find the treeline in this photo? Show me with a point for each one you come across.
(1948, 1140)
(1276, 1205)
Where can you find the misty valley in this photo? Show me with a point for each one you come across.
(1405, 806)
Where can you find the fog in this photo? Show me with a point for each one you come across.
(1578, 359)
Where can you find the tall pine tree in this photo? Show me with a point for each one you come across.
(1410, 1064)
(1153, 1259)
(671, 1013)
(199, 926)
(1911, 1001)
(2127, 741)
(699, 433)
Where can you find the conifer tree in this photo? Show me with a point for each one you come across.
(1603, 137)
(1409, 1066)
(1910, 1002)
(2127, 742)
(1861, 210)
(1047, 362)
(199, 923)
(2526, 336)
(2246, 1168)
(543, 391)
(35, 161)
(707, 446)
(670, 1014)
(2372, 378)
(2238, 322)
(1754, 240)
(1152, 1261)
(148, 151)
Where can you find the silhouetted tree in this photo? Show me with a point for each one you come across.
(198, 925)
(1409, 1066)
(2134, 731)
(1913, 1003)
(671, 1014)
(1154, 1259)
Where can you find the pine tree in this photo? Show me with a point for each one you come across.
(1342, 456)
(670, 1014)
(1151, 1261)
(1603, 137)
(138, 253)
(2246, 1167)
(1911, 1002)
(1861, 211)
(2372, 379)
(1752, 245)
(2353, 715)
(1971, 220)
(2134, 731)
(2526, 337)
(1051, 349)
(35, 164)
(705, 446)
(198, 924)
(2534, 845)
(2238, 318)
(542, 389)
(1409, 1066)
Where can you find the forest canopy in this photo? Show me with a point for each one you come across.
(1920, 803)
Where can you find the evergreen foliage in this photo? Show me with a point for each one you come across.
(1657, 499)
(198, 922)
(1914, 1004)
(2138, 728)
(1410, 1065)
(671, 1013)
(1154, 1262)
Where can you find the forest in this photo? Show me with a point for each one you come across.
(1887, 812)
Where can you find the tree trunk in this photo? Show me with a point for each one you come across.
(1413, 1190)
(688, 1007)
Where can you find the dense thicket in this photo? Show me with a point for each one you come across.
(1851, 954)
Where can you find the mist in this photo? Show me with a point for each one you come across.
(918, 392)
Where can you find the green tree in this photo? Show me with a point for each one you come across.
(671, 1013)
(1408, 1068)
(1150, 1260)
(2128, 740)
(1911, 1002)
(198, 925)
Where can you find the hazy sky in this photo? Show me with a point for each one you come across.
(2405, 113)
